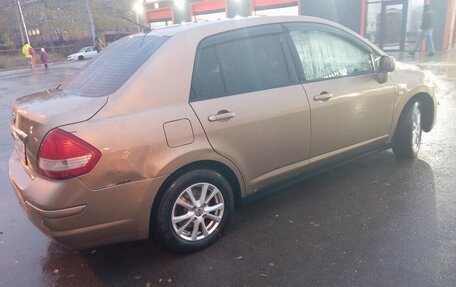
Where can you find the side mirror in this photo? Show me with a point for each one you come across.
(386, 64)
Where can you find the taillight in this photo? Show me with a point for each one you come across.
(63, 155)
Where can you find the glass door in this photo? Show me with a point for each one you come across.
(394, 23)
(386, 24)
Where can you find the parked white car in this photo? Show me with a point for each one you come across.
(84, 53)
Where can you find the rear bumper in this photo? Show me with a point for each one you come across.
(78, 217)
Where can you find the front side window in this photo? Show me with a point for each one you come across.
(239, 66)
(324, 55)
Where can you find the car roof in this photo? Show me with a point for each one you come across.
(229, 24)
(194, 32)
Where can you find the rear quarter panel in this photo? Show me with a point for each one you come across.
(134, 146)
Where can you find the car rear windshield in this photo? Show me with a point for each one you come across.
(113, 66)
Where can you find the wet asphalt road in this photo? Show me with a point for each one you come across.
(376, 221)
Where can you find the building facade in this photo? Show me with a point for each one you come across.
(394, 25)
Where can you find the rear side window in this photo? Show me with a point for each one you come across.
(240, 66)
(253, 64)
(207, 79)
(113, 67)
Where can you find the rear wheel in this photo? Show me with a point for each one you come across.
(407, 139)
(194, 211)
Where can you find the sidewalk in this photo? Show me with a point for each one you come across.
(441, 56)
(18, 72)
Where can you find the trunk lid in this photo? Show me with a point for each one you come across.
(36, 114)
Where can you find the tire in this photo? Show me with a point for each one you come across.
(186, 225)
(80, 58)
(407, 138)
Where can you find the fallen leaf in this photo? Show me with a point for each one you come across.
(290, 221)
(93, 251)
(271, 264)
(312, 223)
(56, 271)
(71, 276)
(137, 277)
(264, 275)
(169, 280)
(239, 257)
(160, 280)
(316, 225)
(148, 284)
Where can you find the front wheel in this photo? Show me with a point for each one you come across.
(407, 139)
(194, 211)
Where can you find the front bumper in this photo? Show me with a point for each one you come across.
(78, 217)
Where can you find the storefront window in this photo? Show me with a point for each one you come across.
(159, 24)
(293, 11)
(209, 17)
(373, 23)
(414, 15)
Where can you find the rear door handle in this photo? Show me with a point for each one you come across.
(222, 115)
(323, 96)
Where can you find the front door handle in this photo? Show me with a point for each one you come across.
(323, 96)
(222, 115)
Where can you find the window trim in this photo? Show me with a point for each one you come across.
(332, 31)
(241, 33)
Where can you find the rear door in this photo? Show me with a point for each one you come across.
(351, 105)
(250, 104)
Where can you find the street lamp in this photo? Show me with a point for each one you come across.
(23, 21)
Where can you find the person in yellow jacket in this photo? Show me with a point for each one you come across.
(28, 52)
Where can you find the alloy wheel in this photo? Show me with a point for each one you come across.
(197, 211)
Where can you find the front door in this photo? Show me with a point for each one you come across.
(350, 105)
(250, 104)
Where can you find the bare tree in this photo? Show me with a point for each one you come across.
(64, 20)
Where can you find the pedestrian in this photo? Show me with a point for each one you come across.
(32, 53)
(26, 49)
(98, 44)
(44, 58)
(427, 27)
